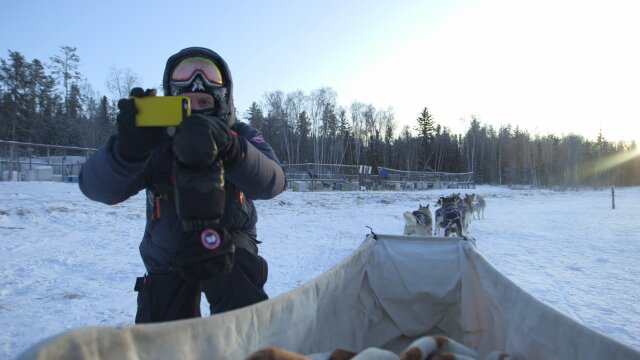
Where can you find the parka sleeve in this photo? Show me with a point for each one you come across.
(259, 173)
(107, 178)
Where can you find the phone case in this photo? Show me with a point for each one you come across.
(162, 110)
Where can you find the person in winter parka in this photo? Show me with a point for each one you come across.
(181, 170)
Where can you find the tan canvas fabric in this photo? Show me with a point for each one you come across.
(388, 293)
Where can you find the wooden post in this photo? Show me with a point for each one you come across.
(613, 197)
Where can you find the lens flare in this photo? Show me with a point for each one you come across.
(612, 161)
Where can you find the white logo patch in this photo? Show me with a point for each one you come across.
(210, 239)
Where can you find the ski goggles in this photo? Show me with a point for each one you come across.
(185, 72)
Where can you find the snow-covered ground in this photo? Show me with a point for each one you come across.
(68, 262)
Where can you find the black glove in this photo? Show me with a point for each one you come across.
(201, 139)
(205, 249)
(135, 143)
(199, 195)
(204, 254)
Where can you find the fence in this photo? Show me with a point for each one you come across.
(20, 161)
(315, 177)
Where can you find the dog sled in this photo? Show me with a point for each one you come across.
(391, 291)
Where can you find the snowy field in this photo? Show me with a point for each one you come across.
(68, 262)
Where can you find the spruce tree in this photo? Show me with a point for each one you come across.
(426, 131)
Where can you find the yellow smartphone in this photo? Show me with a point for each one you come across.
(162, 110)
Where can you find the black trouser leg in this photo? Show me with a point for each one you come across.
(166, 297)
(240, 288)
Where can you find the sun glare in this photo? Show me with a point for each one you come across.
(612, 161)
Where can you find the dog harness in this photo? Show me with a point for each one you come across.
(450, 214)
(421, 217)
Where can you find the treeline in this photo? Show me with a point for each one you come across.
(50, 103)
(314, 129)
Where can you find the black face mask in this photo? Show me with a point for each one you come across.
(208, 112)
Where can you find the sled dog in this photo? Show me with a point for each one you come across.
(418, 222)
(452, 216)
(479, 206)
(470, 201)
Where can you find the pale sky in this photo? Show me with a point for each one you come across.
(547, 66)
